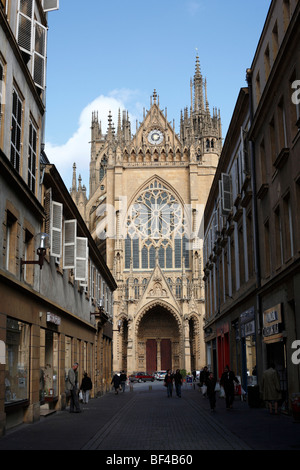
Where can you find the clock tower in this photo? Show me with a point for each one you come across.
(145, 211)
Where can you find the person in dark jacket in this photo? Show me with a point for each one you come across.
(123, 380)
(227, 379)
(203, 377)
(169, 383)
(116, 383)
(211, 393)
(86, 386)
(178, 382)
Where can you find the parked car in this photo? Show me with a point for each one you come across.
(160, 375)
(141, 377)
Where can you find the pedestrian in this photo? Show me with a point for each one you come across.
(203, 378)
(86, 386)
(72, 387)
(123, 380)
(178, 382)
(271, 388)
(116, 383)
(211, 392)
(227, 382)
(169, 383)
(194, 375)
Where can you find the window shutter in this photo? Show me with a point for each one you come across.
(39, 55)
(47, 207)
(226, 193)
(81, 269)
(56, 229)
(70, 233)
(244, 156)
(50, 5)
(25, 25)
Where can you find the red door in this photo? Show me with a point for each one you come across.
(166, 354)
(151, 350)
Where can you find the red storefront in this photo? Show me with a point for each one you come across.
(223, 347)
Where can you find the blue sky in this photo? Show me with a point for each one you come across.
(106, 55)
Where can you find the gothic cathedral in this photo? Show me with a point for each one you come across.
(145, 210)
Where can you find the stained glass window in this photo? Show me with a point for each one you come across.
(156, 226)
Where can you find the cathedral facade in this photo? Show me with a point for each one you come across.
(147, 194)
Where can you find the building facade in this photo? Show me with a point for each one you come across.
(55, 288)
(251, 253)
(229, 262)
(275, 132)
(145, 211)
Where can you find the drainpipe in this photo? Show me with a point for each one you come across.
(258, 317)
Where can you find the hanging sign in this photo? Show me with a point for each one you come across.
(272, 320)
(51, 318)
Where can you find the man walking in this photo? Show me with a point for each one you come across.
(227, 379)
(178, 382)
(72, 386)
(271, 388)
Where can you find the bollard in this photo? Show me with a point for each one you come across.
(131, 387)
(150, 387)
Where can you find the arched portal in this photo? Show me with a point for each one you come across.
(158, 340)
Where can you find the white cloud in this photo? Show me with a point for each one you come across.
(77, 148)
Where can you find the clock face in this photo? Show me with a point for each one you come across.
(155, 137)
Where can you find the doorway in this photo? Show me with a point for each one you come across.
(158, 341)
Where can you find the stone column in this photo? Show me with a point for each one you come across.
(187, 348)
(158, 354)
(130, 348)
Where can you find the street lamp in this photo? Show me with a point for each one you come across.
(41, 240)
(119, 326)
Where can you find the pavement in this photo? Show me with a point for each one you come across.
(145, 419)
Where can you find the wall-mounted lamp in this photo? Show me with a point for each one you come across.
(41, 240)
(119, 326)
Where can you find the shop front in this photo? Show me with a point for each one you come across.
(276, 350)
(248, 348)
(39, 344)
(223, 347)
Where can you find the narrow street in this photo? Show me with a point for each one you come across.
(145, 419)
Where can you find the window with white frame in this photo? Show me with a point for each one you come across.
(16, 130)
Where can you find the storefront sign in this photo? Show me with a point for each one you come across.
(271, 321)
(248, 329)
(247, 322)
(51, 318)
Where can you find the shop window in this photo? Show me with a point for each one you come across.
(48, 364)
(17, 362)
(250, 347)
(68, 355)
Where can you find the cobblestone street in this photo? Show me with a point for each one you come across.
(146, 420)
